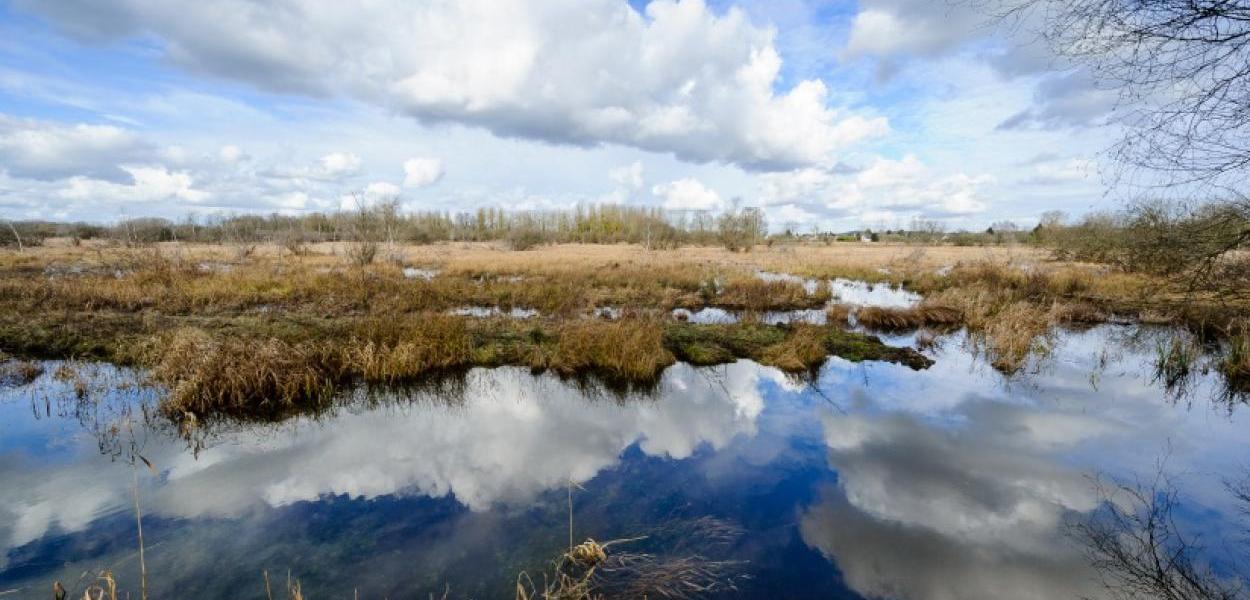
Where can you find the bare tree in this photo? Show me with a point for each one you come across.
(365, 232)
(1180, 67)
(1136, 546)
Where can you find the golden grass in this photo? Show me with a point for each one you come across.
(208, 375)
(756, 294)
(628, 350)
(1017, 331)
(804, 349)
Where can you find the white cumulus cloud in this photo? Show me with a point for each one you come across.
(678, 78)
(421, 172)
(688, 194)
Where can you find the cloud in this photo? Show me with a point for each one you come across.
(678, 78)
(688, 194)
(48, 150)
(148, 184)
(886, 189)
(422, 172)
(910, 185)
(337, 165)
(628, 176)
(892, 27)
(492, 448)
(1066, 100)
(928, 512)
(231, 154)
(382, 189)
(1049, 170)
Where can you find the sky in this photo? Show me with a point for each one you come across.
(827, 115)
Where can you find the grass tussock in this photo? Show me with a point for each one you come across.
(838, 313)
(208, 375)
(804, 349)
(1016, 333)
(1077, 313)
(906, 319)
(628, 350)
(758, 295)
(392, 351)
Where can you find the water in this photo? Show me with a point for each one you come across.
(879, 481)
(852, 291)
(515, 312)
(861, 293)
(419, 273)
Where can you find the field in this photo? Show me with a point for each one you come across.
(260, 331)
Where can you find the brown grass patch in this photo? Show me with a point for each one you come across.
(1083, 313)
(759, 295)
(906, 319)
(888, 319)
(804, 349)
(1017, 331)
(207, 375)
(628, 350)
(838, 314)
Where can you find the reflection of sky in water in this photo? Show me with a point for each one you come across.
(861, 293)
(945, 483)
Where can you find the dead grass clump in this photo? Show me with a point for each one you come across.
(940, 315)
(804, 349)
(757, 294)
(888, 319)
(1082, 313)
(205, 374)
(838, 314)
(389, 350)
(905, 319)
(1016, 332)
(628, 349)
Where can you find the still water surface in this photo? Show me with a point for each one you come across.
(873, 481)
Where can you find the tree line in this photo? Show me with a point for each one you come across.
(386, 222)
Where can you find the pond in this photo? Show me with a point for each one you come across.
(873, 480)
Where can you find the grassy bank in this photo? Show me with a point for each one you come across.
(269, 367)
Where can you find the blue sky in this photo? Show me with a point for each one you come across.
(830, 115)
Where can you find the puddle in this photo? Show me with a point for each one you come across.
(862, 293)
(812, 316)
(851, 291)
(419, 273)
(811, 286)
(485, 311)
(705, 316)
